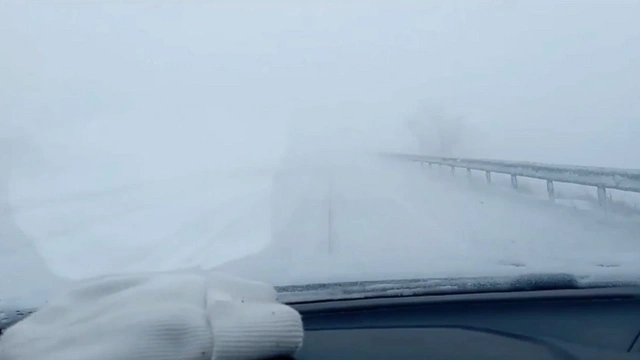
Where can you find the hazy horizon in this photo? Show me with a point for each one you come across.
(541, 81)
(215, 100)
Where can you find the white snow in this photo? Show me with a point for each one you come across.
(198, 219)
(398, 220)
(156, 142)
(313, 219)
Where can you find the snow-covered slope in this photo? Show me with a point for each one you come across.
(198, 219)
(328, 218)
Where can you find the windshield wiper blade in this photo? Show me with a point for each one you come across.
(537, 282)
(416, 287)
(10, 315)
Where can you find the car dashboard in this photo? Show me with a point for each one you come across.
(600, 323)
(556, 323)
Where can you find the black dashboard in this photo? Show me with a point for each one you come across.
(602, 323)
(573, 324)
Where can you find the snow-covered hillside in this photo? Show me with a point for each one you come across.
(311, 219)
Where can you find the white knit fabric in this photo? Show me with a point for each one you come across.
(167, 316)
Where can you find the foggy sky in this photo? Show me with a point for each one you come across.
(188, 85)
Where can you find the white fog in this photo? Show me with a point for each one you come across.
(157, 135)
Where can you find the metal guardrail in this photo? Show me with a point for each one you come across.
(598, 177)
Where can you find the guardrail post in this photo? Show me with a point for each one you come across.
(514, 181)
(604, 180)
(551, 191)
(602, 197)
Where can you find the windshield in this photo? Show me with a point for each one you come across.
(318, 141)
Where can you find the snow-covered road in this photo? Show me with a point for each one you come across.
(372, 219)
(359, 218)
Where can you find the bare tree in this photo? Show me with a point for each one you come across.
(436, 132)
